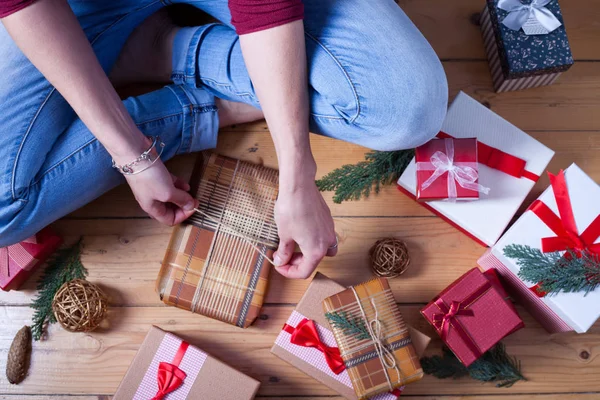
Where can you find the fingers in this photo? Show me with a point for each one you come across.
(333, 249)
(294, 269)
(180, 183)
(284, 252)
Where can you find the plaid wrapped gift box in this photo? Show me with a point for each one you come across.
(518, 60)
(385, 359)
(216, 262)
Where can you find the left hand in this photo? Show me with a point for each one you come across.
(303, 218)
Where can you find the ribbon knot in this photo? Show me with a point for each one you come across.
(443, 321)
(465, 175)
(305, 334)
(170, 377)
(18, 253)
(519, 14)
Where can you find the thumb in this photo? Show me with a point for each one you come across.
(284, 252)
(183, 200)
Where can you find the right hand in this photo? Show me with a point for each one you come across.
(162, 195)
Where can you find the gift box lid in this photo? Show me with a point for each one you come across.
(310, 306)
(493, 316)
(524, 55)
(578, 311)
(206, 377)
(486, 219)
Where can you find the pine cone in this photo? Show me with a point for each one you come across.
(19, 356)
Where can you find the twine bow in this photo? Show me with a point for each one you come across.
(565, 228)
(465, 175)
(18, 254)
(519, 14)
(386, 357)
(305, 334)
(170, 377)
(448, 317)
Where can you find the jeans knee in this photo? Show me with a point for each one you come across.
(10, 230)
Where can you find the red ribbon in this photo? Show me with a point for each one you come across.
(18, 253)
(499, 160)
(170, 377)
(565, 228)
(305, 334)
(448, 318)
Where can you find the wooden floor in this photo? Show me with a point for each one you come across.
(123, 248)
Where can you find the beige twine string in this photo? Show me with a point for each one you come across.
(250, 240)
(388, 361)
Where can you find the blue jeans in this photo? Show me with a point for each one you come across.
(374, 81)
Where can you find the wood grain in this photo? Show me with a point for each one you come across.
(565, 363)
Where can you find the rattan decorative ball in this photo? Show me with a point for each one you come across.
(389, 257)
(79, 306)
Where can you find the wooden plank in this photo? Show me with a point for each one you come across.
(253, 143)
(561, 396)
(96, 362)
(126, 256)
(452, 30)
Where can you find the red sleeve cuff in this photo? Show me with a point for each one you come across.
(255, 15)
(8, 7)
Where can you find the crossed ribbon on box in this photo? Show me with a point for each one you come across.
(18, 254)
(564, 226)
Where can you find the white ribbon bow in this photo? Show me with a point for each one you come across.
(520, 13)
(461, 173)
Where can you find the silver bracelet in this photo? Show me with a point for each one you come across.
(149, 157)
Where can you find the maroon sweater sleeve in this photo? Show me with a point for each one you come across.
(8, 7)
(256, 15)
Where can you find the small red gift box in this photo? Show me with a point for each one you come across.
(447, 169)
(473, 314)
(17, 262)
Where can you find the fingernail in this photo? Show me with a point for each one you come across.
(277, 260)
(189, 206)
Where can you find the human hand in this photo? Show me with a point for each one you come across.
(162, 195)
(304, 218)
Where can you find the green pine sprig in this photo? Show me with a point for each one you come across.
(495, 365)
(63, 267)
(350, 326)
(352, 181)
(555, 273)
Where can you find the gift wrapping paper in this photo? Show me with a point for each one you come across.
(563, 311)
(19, 261)
(518, 60)
(472, 315)
(212, 266)
(168, 366)
(385, 361)
(501, 145)
(311, 360)
(441, 175)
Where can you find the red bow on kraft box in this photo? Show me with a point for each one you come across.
(564, 226)
(17, 262)
(472, 315)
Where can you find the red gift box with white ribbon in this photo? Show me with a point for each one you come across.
(17, 262)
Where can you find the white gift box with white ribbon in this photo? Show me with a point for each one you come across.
(485, 219)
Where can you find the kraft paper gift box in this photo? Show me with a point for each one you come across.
(447, 169)
(216, 263)
(526, 47)
(549, 228)
(171, 368)
(19, 261)
(509, 164)
(382, 358)
(294, 342)
(472, 315)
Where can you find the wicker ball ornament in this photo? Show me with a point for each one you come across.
(389, 257)
(79, 306)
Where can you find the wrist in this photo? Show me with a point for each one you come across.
(296, 172)
(128, 147)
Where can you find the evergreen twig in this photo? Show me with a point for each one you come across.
(351, 327)
(63, 267)
(495, 365)
(352, 181)
(570, 273)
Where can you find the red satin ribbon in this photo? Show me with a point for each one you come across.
(499, 160)
(20, 254)
(305, 334)
(448, 318)
(170, 377)
(564, 227)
